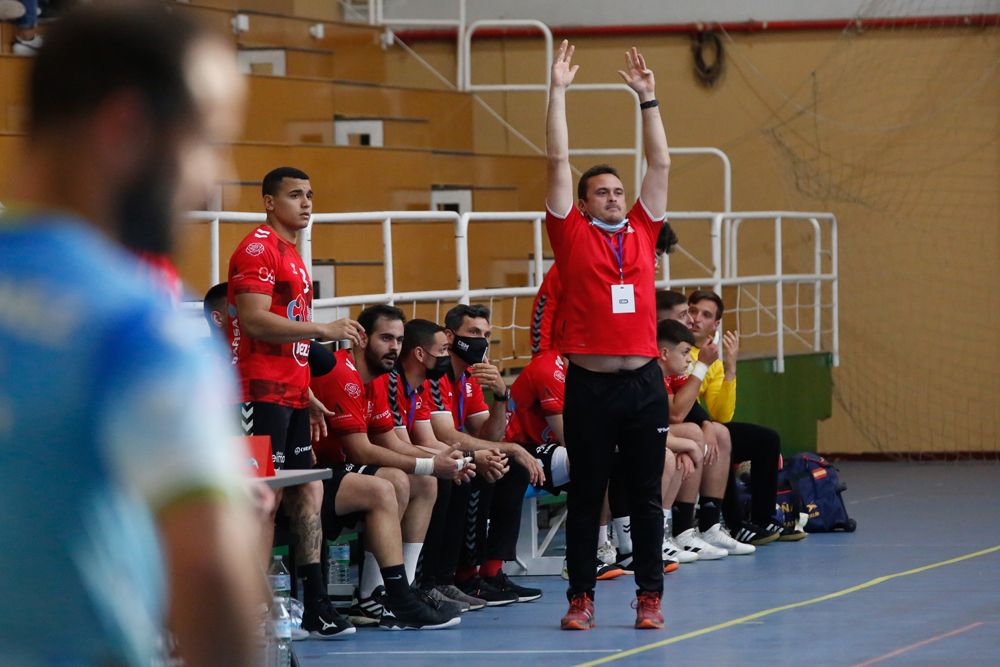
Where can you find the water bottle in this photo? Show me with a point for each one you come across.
(280, 580)
(282, 647)
(339, 585)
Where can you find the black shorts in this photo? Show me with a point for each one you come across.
(291, 441)
(333, 523)
(544, 454)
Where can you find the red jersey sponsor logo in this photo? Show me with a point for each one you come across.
(255, 249)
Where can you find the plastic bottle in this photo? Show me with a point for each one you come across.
(280, 580)
(282, 651)
(339, 586)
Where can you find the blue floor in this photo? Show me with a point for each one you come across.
(909, 516)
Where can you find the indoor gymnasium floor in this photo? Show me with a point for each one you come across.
(917, 584)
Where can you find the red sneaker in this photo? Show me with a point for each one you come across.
(581, 613)
(648, 615)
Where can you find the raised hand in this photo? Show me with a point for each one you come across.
(731, 344)
(488, 375)
(637, 76)
(562, 70)
(708, 353)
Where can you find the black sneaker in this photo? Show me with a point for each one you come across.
(449, 608)
(502, 582)
(414, 611)
(750, 533)
(367, 611)
(325, 622)
(791, 535)
(482, 589)
(624, 562)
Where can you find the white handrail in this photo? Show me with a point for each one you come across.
(465, 51)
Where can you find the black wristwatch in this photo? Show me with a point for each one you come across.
(505, 397)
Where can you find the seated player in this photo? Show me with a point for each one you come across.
(709, 541)
(460, 415)
(362, 440)
(425, 342)
(750, 442)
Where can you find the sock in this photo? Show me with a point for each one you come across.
(396, 584)
(466, 573)
(683, 516)
(668, 522)
(708, 512)
(491, 568)
(623, 533)
(602, 535)
(312, 584)
(371, 576)
(411, 554)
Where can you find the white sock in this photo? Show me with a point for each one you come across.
(668, 522)
(560, 467)
(371, 576)
(411, 554)
(602, 535)
(622, 526)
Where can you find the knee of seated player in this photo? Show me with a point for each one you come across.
(669, 461)
(723, 439)
(401, 482)
(689, 431)
(422, 486)
(307, 498)
(365, 493)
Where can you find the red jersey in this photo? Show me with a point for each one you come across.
(674, 383)
(408, 405)
(588, 260)
(462, 404)
(537, 393)
(544, 314)
(357, 407)
(265, 263)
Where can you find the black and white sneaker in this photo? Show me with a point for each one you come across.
(367, 611)
(502, 582)
(480, 588)
(325, 622)
(439, 602)
(624, 562)
(414, 611)
(751, 533)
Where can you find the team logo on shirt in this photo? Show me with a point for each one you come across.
(353, 390)
(255, 249)
(296, 310)
(266, 275)
(559, 376)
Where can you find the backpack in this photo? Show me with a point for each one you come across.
(808, 483)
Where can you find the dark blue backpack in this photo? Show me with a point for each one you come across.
(809, 483)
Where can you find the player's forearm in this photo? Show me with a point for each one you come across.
(382, 456)
(273, 328)
(654, 140)
(556, 128)
(683, 400)
(495, 425)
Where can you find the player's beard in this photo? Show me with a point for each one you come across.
(377, 365)
(145, 209)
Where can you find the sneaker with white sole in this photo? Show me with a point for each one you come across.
(624, 562)
(690, 541)
(717, 536)
(751, 533)
(415, 611)
(453, 592)
(439, 597)
(672, 550)
(366, 611)
(324, 622)
(26, 47)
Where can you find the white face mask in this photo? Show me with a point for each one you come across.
(609, 228)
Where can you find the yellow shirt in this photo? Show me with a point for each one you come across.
(716, 393)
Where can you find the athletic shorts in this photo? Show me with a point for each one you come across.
(544, 455)
(291, 441)
(332, 523)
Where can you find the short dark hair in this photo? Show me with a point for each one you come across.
(705, 294)
(668, 299)
(370, 316)
(273, 179)
(419, 333)
(215, 299)
(453, 318)
(666, 240)
(673, 333)
(96, 52)
(596, 170)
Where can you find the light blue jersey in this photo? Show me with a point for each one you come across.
(109, 413)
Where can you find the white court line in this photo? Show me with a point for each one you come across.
(498, 652)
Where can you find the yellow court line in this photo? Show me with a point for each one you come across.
(786, 607)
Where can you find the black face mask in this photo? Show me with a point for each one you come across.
(442, 366)
(470, 350)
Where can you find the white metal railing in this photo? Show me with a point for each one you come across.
(723, 267)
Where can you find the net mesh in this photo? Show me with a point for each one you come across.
(896, 131)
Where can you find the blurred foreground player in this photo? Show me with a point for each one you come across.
(123, 506)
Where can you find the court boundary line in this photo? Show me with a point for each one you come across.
(785, 607)
(903, 650)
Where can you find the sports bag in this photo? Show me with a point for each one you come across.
(808, 483)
